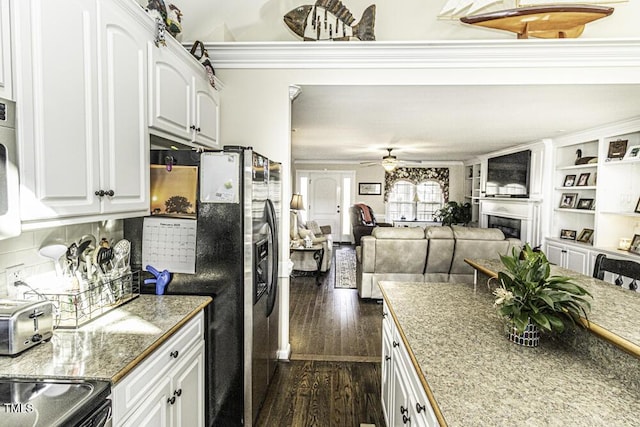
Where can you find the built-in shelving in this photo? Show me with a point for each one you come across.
(472, 189)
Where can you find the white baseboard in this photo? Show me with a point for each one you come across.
(285, 353)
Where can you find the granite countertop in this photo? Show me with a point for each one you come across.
(478, 377)
(108, 347)
(613, 308)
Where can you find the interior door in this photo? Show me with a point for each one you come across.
(324, 201)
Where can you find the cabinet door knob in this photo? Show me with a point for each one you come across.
(406, 419)
(420, 408)
(171, 400)
(99, 193)
(109, 193)
(387, 358)
(174, 354)
(192, 127)
(404, 410)
(384, 314)
(396, 344)
(177, 392)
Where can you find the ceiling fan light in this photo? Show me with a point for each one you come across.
(389, 165)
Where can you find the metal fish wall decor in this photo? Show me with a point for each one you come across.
(330, 20)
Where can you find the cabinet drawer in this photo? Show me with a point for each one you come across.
(140, 382)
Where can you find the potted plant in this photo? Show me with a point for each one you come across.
(454, 213)
(532, 300)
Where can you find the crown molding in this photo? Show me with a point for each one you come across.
(530, 53)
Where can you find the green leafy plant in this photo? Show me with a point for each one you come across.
(454, 213)
(527, 292)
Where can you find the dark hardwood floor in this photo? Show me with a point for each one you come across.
(333, 377)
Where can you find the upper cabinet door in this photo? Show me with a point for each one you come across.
(207, 114)
(171, 93)
(125, 135)
(6, 80)
(57, 86)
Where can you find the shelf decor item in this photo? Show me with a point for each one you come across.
(568, 234)
(584, 204)
(569, 181)
(583, 180)
(585, 235)
(568, 200)
(617, 149)
(633, 153)
(634, 247)
(529, 297)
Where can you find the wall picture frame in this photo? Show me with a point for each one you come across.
(633, 153)
(569, 181)
(584, 204)
(568, 234)
(583, 180)
(568, 200)
(585, 235)
(635, 244)
(617, 149)
(370, 188)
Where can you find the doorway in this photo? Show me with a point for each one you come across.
(328, 196)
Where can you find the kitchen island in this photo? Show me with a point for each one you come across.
(472, 375)
(109, 347)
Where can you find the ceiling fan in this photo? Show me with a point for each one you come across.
(389, 162)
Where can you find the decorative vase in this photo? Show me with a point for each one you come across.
(530, 337)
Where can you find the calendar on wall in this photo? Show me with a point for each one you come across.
(169, 243)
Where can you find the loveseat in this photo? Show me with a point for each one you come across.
(433, 254)
(304, 261)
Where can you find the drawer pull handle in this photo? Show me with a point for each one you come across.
(396, 344)
(171, 400)
(174, 354)
(420, 408)
(178, 392)
(406, 419)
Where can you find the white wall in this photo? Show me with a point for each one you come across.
(262, 20)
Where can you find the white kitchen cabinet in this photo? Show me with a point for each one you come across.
(182, 102)
(167, 388)
(404, 400)
(569, 256)
(82, 134)
(6, 79)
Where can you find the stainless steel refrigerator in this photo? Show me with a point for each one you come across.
(236, 262)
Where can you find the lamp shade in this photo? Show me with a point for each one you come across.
(296, 202)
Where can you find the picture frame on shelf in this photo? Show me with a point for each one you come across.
(584, 204)
(633, 152)
(568, 234)
(585, 235)
(617, 149)
(637, 209)
(583, 180)
(569, 181)
(370, 188)
(635, 244)
(568, 200)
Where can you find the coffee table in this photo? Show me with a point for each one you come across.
(318, 255)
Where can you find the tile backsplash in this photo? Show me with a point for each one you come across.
(24, 249)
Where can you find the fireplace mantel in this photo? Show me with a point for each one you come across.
(526, 210)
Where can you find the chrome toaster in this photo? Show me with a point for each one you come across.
(23, 324)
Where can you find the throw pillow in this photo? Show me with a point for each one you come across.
(304, 233)
(313, 226)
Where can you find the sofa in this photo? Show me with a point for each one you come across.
(433, 254)
(363, 221)
(298, 230)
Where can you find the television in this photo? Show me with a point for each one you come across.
(508, 175)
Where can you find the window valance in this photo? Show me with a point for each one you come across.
(416, 176)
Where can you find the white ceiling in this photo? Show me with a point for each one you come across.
(439, 123)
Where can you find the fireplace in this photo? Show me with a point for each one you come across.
(510, 226)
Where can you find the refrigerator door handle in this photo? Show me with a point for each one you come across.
(273, 229)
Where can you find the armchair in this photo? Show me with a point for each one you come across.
(363, 221)
(303, 261)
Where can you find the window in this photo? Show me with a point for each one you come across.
(415, 202)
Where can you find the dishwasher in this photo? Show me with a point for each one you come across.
(54, 402)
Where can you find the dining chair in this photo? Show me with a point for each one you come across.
(619, 267)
